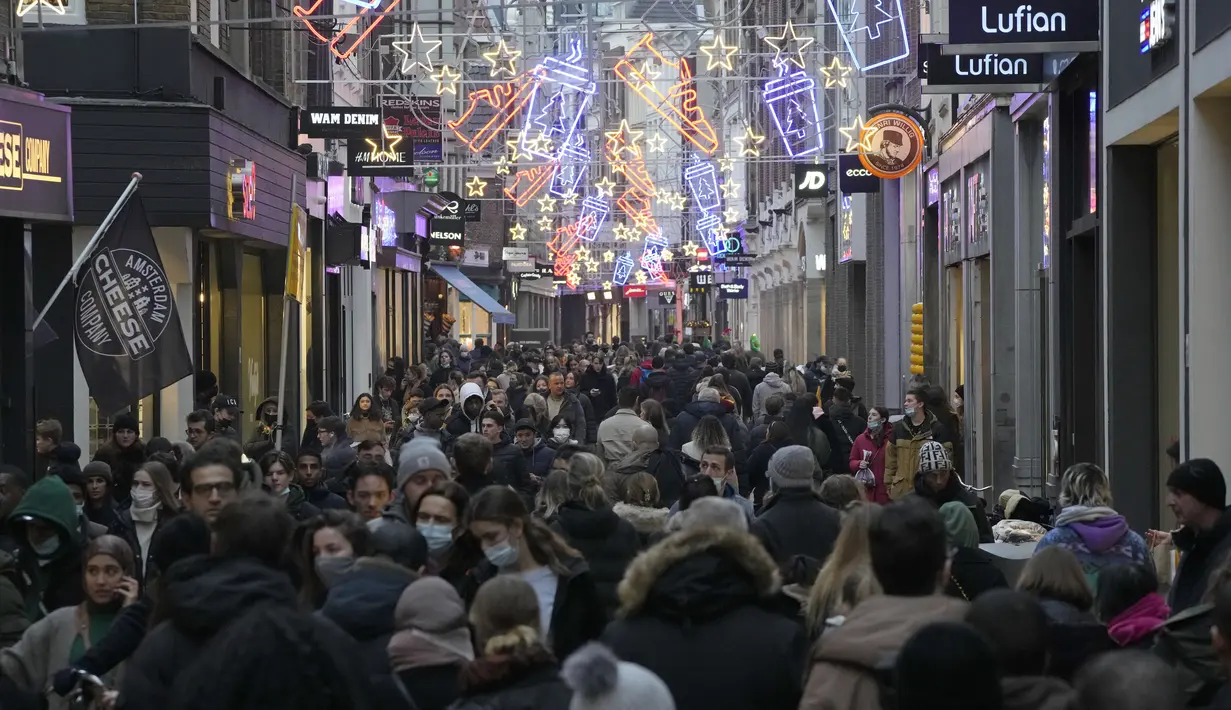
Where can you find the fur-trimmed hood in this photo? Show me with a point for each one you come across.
(647, 521)
(698, 575)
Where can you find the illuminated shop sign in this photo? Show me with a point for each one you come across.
(734, 289)
(241, 190)
(34, 160)
(1157, 24)
(1045, 25)
(853, 177)
(339, 122)
(811, 181)
(949, 73)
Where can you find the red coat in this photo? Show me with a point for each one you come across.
(863, 443)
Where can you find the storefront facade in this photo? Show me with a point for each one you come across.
(36, 214)
(218, 182)
(1166, 129)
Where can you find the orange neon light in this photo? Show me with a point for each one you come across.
(523, 190)
(508, 98)
(679, 107)
(637, 200)
(306, 14)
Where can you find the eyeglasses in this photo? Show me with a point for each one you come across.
(204, 489)
(194, 432)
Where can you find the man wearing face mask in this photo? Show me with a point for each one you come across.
(265, 431)
(225, 409)
(719, 464)
(907, 439)
(48, 528)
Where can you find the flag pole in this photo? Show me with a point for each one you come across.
(286, 325)
(89, 247)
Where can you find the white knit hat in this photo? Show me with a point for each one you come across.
(600, 681)
(933, 457)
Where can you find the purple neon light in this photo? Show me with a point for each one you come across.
(791, 100)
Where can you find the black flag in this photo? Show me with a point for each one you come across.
(128, 333)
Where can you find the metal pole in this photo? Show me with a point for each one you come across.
(89, 247)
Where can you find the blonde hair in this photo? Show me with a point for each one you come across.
(585, 481)
(846, 578)
(536, 406)
(553, 494)
(505, 615)
(641, 489)
(1085, 484)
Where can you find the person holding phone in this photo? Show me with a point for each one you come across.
(63, 636)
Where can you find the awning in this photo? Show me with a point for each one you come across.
(462, 283)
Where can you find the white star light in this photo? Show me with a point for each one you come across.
(406, 49)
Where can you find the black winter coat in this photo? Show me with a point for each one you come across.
(972, 573)
(607, 541)
(109, 516)
(509, 466)
(701, 599)
(324, 499)
(431, 687)
(684, 379)
(847, 426)
(796, 523)
(124, 463)
(690, 416)
(537, 686)
(755, 472)
(1076, 637)
(130, 536)
(1202, 554)
(956, 491)
(603, 382)
(362, 604)
(739, 382)
(577, 617)
(587, 410)
(203, 595)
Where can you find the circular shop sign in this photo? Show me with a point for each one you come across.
(895, 146)
(123, 304)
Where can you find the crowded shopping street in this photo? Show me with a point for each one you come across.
(615, 355)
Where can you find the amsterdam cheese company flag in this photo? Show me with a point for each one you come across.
(129, 340)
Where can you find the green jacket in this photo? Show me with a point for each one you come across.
(56, 583)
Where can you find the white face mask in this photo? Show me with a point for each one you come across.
(719, 483)
(142, 497)
(560, 434)
(910, 411)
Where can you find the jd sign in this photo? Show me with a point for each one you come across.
(810, 181)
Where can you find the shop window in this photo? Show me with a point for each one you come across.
(51, 12)
(251, 342)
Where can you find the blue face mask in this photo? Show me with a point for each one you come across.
(332, 569)
(874, 426)
(503, 555)
(439, 537)
(47, 547)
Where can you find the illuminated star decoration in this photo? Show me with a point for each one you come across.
(731, 215)
(608, 256)
(570, 197)
(836, 73)
(857, 135)
(606, 285)
(384, 151)
(657, 143)
(410, 59)
(502, 59)
(514, 145)
(623, 232)
(666, 255)
(650, 71)
(502, 165)
(446, 80)
(784, 52)
(545, 224)
(25, 6)
(547, 203)
(622, 139)
(476, 187)
(677, 105)
(639, 276)
(719, 54)
(517, 232)
(730, 190)
(605, 186)
(726, 165)
(542, 144)
(749, 142)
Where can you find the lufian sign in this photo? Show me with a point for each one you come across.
(1042, 25)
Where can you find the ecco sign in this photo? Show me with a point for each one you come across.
(853, 177)
(811, 181)
(339, 122)
(1013, 72)
(1044, 25)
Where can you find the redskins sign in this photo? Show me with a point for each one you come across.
(892, 147)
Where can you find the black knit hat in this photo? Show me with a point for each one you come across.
(1201, 479)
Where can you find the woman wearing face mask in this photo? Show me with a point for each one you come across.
(571, 382)
(331, 542)
(534, 408)
(868, 455)
(540, 386)
(452, 551)
(365, 422)
(124, 453)
(517, 544)
(444, 393)
(561, 429)
(64, 635)
(153, 504)
(278, 469)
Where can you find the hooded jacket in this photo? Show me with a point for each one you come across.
(682, 380)
(845, 658)
(461, 423)
(648, 522)
(955, 491)
(686, 422)
(57, 583)
(604, 383)
(606, 541)
(694, 611)
(1099, 537)
(902, 454)
(203, 595)
(772, 384)
(538, 458)
(509, 465)
(362, 604)
(263, 435)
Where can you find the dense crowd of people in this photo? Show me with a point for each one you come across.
(655, 525)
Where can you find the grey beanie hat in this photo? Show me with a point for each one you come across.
(600, 681)
(421, 453)
(792, 467)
